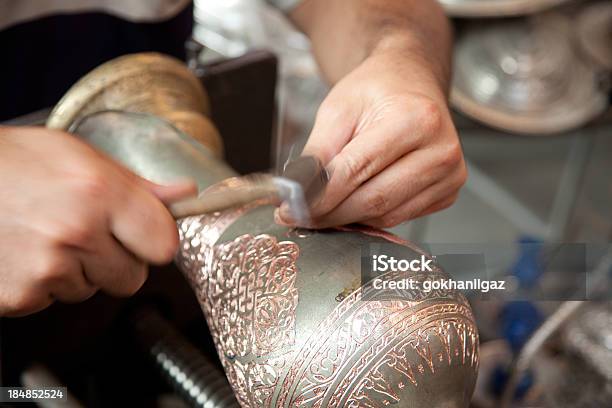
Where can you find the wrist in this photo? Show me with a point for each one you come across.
(407, 54)
(402, 66)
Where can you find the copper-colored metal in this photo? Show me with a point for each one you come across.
(284, 340)
(270, 296)
(146, 83)
(197, 126)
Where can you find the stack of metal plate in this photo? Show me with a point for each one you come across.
(595, 33)
(496, 8)
(530, 75)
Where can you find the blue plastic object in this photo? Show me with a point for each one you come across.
(499, 379)
(528, 267)
(518, 321)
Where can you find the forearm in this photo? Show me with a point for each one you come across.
(346, 32)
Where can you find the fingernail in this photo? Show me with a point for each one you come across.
(186, 182)
(284, 213)
(280, 220)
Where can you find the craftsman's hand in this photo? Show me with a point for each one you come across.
(390, 146)
(72, 222)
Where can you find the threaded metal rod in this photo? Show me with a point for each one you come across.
(195, 378)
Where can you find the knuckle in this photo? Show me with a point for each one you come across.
(138, 278)
(25, 303)
(448, 202)
(430, 115)
(168, 247)
(330, 110)
(462, 176)
(452, 155)
(74, 233)
(452, 200)
(389, 221)
(93, 185)
(356, 169)
(49, 268)
(377, 204)
(155, 222)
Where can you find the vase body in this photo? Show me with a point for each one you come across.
(292, 322)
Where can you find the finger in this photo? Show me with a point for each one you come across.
(395, 185)
(167, 193)
(72, 286)
(113, 269)
(24, 302)
(438, 195)
(332, 130)
(439, 206)
(170, 193)
(388, 222)
(361, 159)
(27, 307)
(143, 225)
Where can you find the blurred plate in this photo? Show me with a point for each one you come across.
(496, 8)
(595, 32)
(524, 76)
(590, 336)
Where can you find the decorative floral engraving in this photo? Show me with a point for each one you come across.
(369, 347)
(247, 291)
(400, 368)
(363, 354)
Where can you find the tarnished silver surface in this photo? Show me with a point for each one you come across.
(270, 297)
(496, 8)
(147, 139)
(583, 371)
(590, 336)
(594, 30)
(356, 350)
(291, 322)
(577, 385)
(525, 76)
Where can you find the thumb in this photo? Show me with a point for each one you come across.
(169, 193)
(166, 193)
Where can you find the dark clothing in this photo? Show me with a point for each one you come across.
(41, 59)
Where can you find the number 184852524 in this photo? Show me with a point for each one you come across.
(23, 394)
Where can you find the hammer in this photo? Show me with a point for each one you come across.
(302, 180)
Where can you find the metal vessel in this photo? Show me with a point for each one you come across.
(292, 322)
(496, 8)
(594, 30)
(525, 76)
(590, 337)
(145, 82)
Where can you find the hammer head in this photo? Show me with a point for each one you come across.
(308, 172)
(302, 181)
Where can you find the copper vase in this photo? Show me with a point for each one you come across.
(292, 323)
